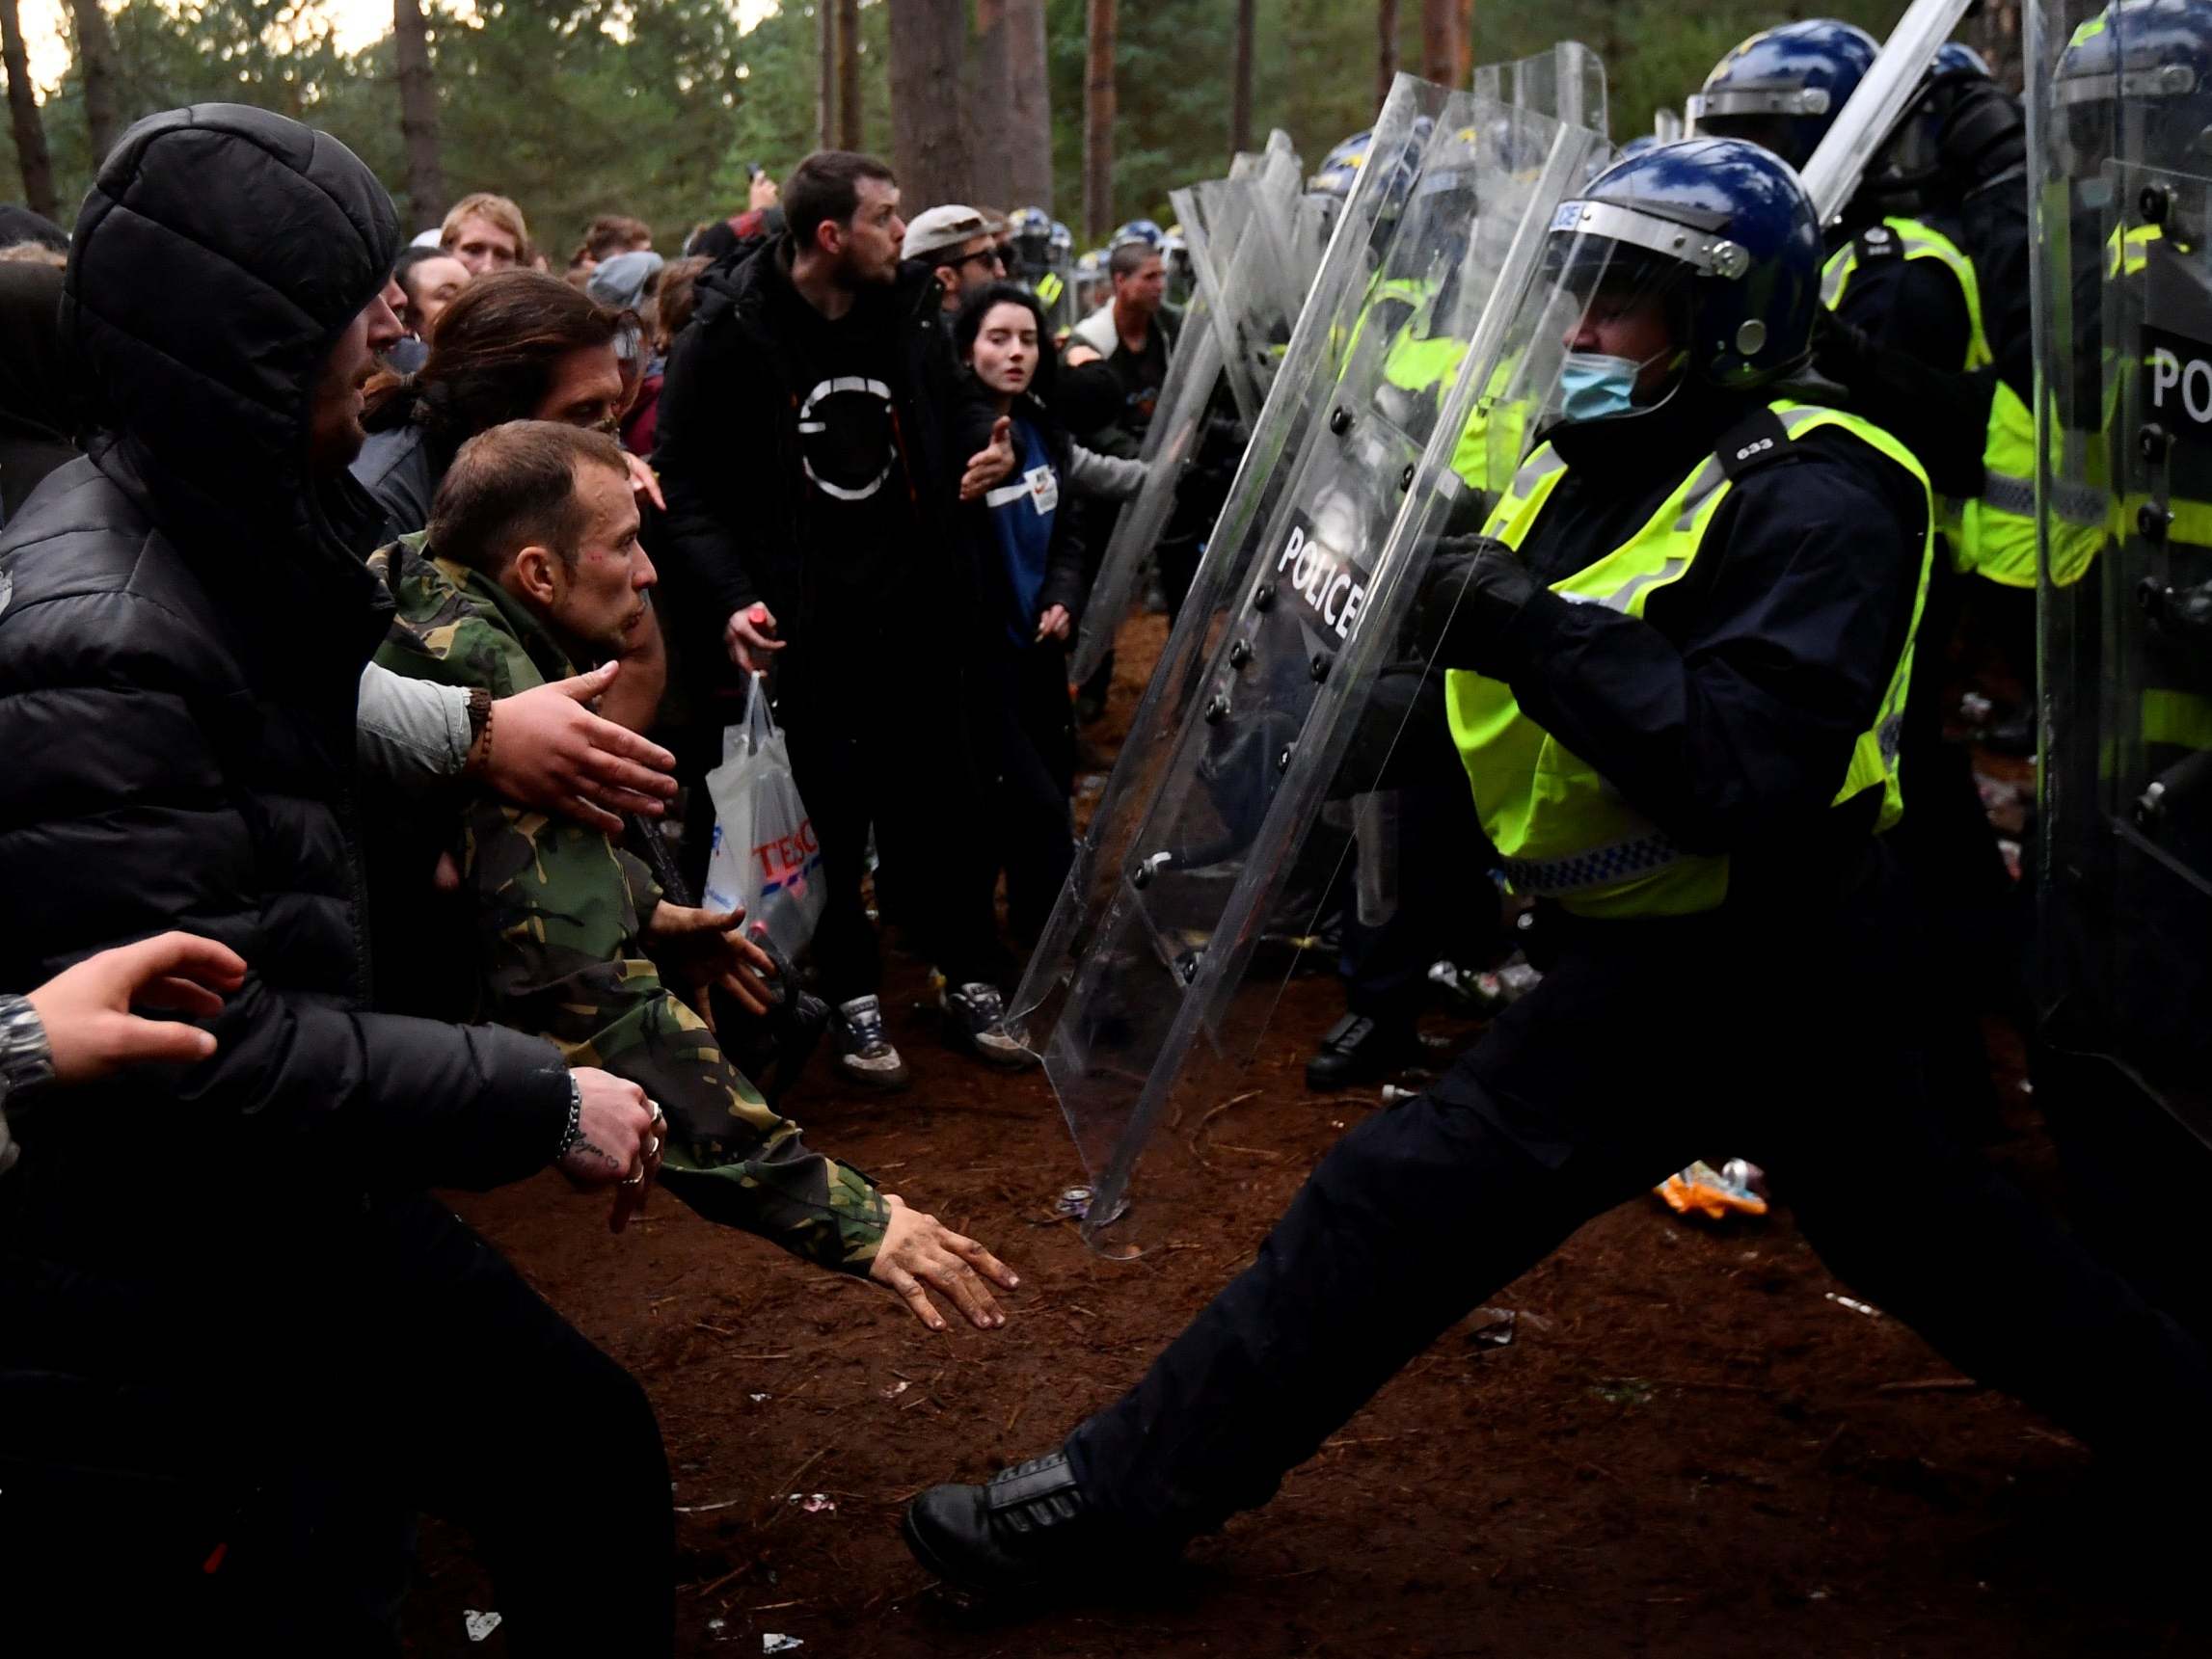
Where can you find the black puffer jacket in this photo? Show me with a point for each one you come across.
(185, 616)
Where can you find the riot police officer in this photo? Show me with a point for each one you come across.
(1676, 660)
(1917, 334)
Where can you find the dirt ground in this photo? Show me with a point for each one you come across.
(1687, 1446)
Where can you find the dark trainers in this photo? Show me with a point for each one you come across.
(975, 1023)
(1356, 1049)
(863, 1056)
(1028, 1529)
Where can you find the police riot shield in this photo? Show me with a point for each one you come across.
(1236, 823)
(1240, 236)
(1245, 254)
(1568, 82)
(2120, 99)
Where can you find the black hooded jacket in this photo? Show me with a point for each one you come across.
(185, 616)
(730, 457)
(37, 419)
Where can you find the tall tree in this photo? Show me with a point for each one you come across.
(417, 114)
(1385, 48)
(1462, 42)
(1028, 115)
(1240, 79)
(1099, 120)
(826, 75)
(97, 66)
(990, 96)
(1440, 50)
(929, 138)
(23, 116)
(850, 107)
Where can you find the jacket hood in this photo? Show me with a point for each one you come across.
(217, 260)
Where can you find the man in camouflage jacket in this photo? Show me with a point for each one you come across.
(560, 916)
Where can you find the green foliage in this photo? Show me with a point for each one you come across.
(655, 107)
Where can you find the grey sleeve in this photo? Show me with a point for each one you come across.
(410, 732)
(1109, 477)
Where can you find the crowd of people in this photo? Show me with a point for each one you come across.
(369, 625)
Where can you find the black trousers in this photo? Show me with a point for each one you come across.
(1647, 1045)
(902, 766)
(283, 1420)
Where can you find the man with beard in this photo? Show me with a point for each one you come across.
(811, 500)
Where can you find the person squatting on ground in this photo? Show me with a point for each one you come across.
(1727, 732)
(530, 566)
(813, 492)
(1031, 561)
(225, 1297)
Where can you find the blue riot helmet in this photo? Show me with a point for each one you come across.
(1030, 231)
(1957, 113)
(1637, 146)
(1721, 234)
(1340, 167)
(2135, 83)
(1063, 241)
(1143, 230)
(1784, 86)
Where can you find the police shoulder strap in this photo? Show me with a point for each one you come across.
(1758, 439)
(1878, 242)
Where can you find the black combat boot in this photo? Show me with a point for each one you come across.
(1029, 1530)
(1356, 1050)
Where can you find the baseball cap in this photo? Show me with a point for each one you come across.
(942, 227)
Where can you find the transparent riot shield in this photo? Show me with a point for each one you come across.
(1241, 237)
(1236, 819)
(2124, 317)
(1253, 278)
(1349, 288)
(1568, 82)
(1666, 125)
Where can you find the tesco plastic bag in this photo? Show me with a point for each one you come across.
(766, 855)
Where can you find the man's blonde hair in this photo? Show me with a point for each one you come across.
(496, 211)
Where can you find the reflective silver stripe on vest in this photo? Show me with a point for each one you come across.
(2078, 503)
(1534, 470)
(1553, 878)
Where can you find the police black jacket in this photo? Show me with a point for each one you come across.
(729, 455)
(185, 616)
(1727, 713)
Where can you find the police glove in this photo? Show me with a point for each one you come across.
(1472, 597)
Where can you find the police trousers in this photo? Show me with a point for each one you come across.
(1647, 1044)
(241, 1447)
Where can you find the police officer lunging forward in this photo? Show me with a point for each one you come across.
(1677, 666)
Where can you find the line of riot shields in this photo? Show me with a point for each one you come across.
(1397, 408)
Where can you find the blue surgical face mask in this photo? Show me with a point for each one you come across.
(1593, 386)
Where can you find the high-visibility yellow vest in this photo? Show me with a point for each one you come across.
(1995, 534)
(1564, 832)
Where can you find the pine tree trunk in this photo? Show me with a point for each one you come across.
(849, 109)
(1440, 56)
(1028, 124)
(826, 75)
(990, 94)
(23, 117)
(1098, 123)
(1385, 48)
(96, 59)
(929, 135)
(418, 115)
(1462, 42)
(1240, 86)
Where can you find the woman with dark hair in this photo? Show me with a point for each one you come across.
(516, 345)
(1031, 563)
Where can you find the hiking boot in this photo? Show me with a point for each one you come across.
(975, 1024)
(1028, 1529)
(863, 1054)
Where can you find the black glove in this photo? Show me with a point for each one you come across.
(1472, 595)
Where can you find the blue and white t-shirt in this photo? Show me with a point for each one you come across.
(1021, 511)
